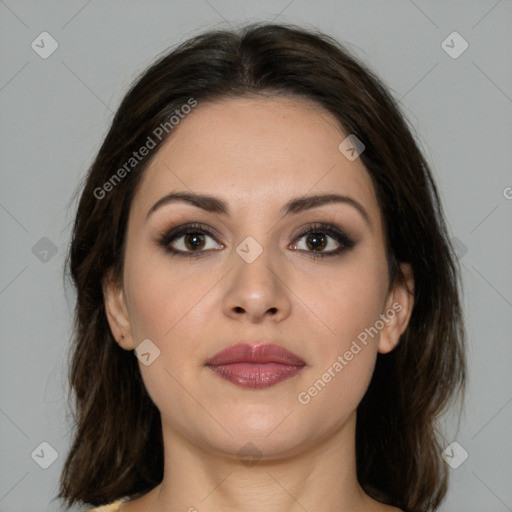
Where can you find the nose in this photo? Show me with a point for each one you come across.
(257, 291)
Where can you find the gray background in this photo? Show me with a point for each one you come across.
(56, 111)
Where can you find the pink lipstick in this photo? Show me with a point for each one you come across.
(255, 366)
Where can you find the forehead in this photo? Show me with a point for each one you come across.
(264, 149)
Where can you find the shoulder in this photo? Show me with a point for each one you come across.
(110, 507)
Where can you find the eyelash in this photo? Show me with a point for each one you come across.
(168, 236)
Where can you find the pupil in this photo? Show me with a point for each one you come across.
(194, 240)
(316, 241)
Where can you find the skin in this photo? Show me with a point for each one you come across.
(256, 153)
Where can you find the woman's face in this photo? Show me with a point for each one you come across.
(256, 274)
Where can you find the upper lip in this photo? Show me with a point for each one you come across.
(255, 353)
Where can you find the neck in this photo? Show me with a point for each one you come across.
(321, 477)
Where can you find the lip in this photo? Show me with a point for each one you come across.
(255, 366)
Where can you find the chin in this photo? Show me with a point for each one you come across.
(258, 445)
(270, 431)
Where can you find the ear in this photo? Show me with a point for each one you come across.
(398, 310)
(116, 311)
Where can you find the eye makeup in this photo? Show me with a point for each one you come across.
(194, 235)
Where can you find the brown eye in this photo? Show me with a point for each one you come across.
(194, 241)
(323, 240)
(189, 240)
(316, 241)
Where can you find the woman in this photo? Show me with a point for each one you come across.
(260, 229)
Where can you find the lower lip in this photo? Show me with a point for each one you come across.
(256, 375)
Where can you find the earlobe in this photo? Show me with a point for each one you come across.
(398, 310)
(116, 312)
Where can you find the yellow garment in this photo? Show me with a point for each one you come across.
(111, 507)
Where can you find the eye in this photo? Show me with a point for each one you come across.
(189, 240)
(193, 240)
(323, 240)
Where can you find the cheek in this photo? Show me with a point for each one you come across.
(160, 298)
(174, 310)
(334, 392)
(347, 307)
(165, 307)
(345, 301)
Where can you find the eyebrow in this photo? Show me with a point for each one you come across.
(296, 205)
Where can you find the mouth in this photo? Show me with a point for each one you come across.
(255, 366)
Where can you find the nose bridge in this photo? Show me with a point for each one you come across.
(254, 267)
(255, 287)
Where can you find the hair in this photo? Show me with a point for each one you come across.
(117, 448)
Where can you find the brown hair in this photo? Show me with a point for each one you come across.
(117, 448)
